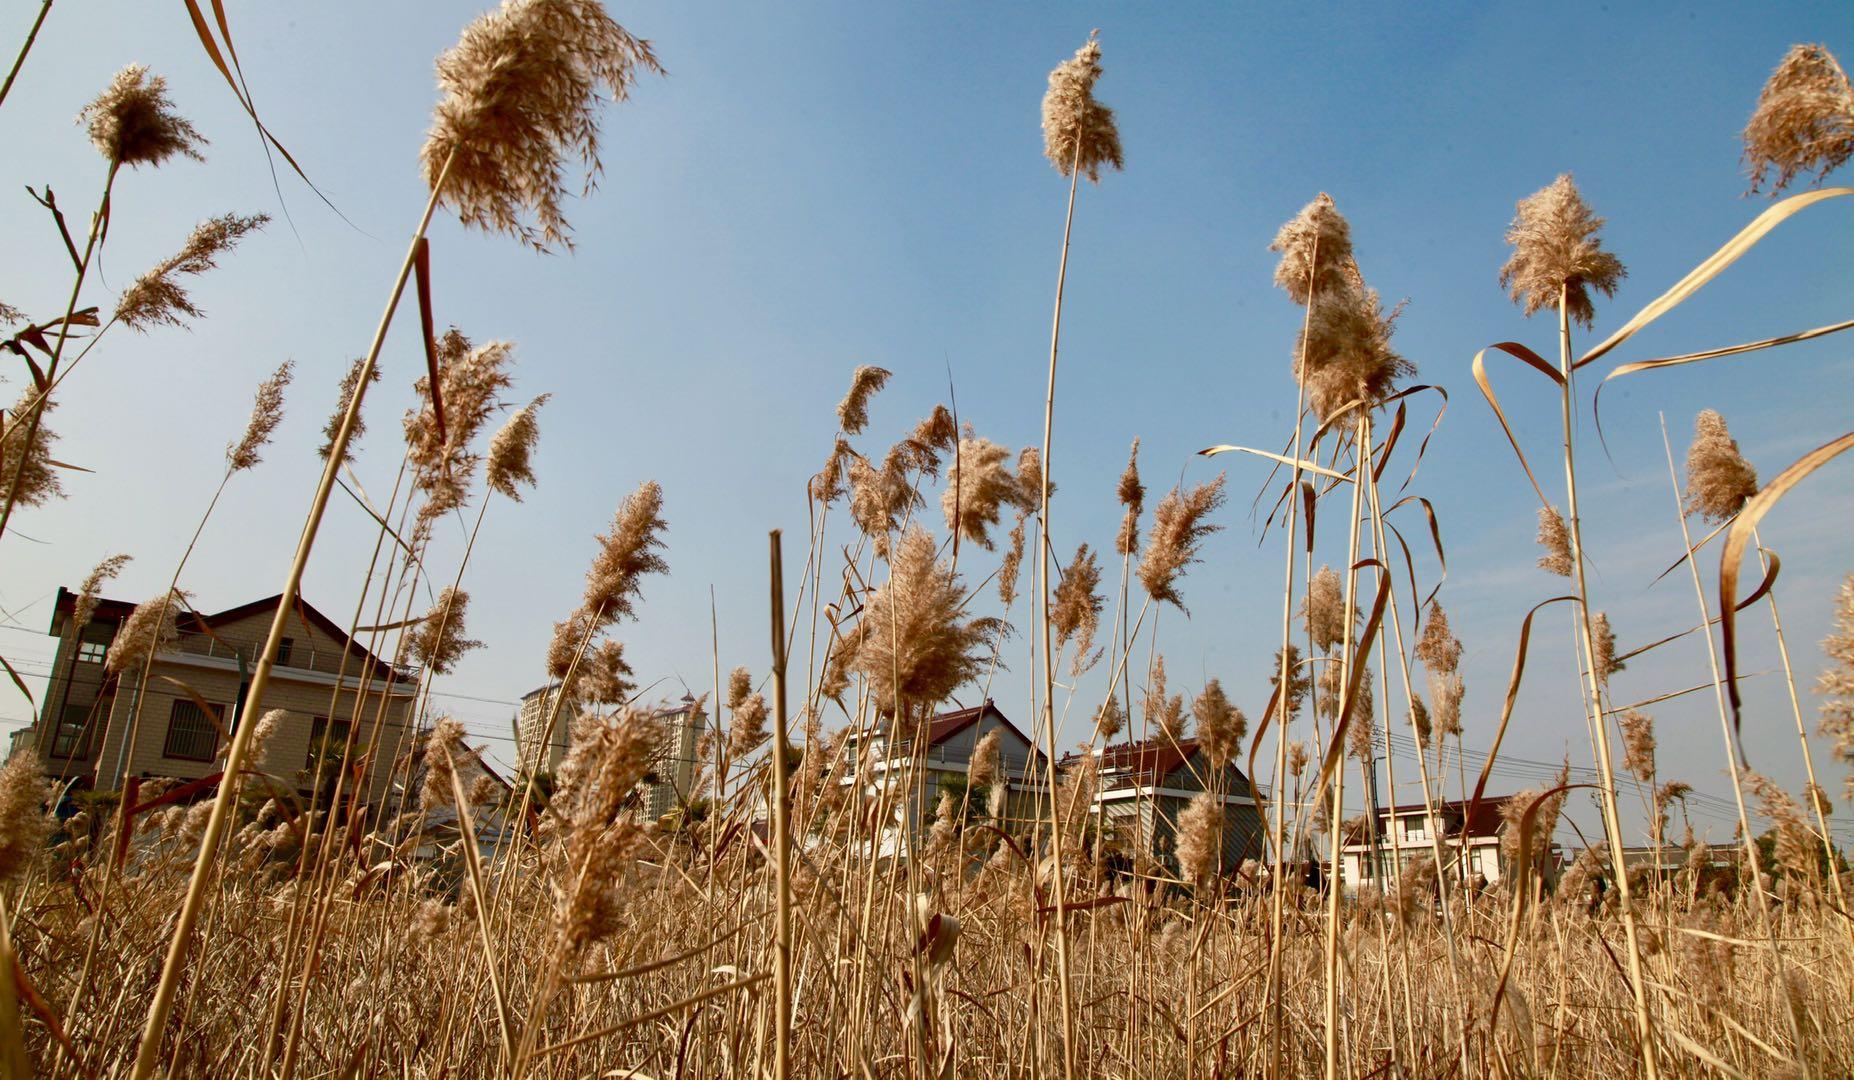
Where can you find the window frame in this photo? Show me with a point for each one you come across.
(79, 748)
(173, 751)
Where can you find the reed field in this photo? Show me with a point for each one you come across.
(813, 904)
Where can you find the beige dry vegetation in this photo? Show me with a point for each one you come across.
(776, 923)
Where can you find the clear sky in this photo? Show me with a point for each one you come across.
(818, 186)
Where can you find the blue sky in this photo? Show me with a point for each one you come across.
(818, 186)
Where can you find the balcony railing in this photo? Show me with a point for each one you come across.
(300, 658)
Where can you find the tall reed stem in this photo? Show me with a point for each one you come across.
(20, 61)
(1049, 676)
(1612, 822)
(782, 830)
(148, 1053)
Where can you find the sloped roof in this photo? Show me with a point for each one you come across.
(191, 622)
(1489, 817)
(948, 724)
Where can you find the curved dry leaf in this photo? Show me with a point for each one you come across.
(1537, 363)
(1714, 264)
(1735, 541)
(1435, 537)
(1302, 463)
(1770, 579)
(1512, 696)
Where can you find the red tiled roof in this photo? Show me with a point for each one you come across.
(1153, 759)
(1489, 815)
(948, 724)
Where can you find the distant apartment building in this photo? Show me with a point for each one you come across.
(194, 698)
(543, 740)
(1145, 785)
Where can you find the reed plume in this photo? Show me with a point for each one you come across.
(1324, 609)
(157, 298)
(521, 89)
(614, 583)
(132, 122)
(1319, 226)
(24, 825)
(853, 410)
(979, 486)
(1556, 540)
(1110, 720)
(1078, 131)
(748, 708)
(1076, 614)
(150, 628)
(511, 451)
(604, 676)
(27, 463)
(443, 742)
(986, 759)
(1012, 565)
(1603, 646)
(1804, 120)
(607, 760)
(1165, 714)
(1719, 479)
(1638, 744)
(1220, 724)
(1555, 245)
(1299, 682)
(266, 414)
(438, 642)
(1200, 827)
(1132, 496)
(1179, 527)
(86, 607)
(344, 397)
(1837, 682)
(917, 645)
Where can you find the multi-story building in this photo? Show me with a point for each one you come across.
(543, 741)
(540, 738)
(1469, 833)
(914, 767)
(1144, 786)
(192, 698)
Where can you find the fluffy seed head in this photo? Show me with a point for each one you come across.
(1110, 720)
(1556, 540)
(1345, 354)
(1446, 691)
(1179, 526)
(511, 452)
(132, 122)
(1200, 825)
(985, 760)
(443, 743)
(157, 297)
(86, 607)
(1299, 681)
(1316, 250)
(1555, 245)
(24, 825)
(853, 410)
(344, 398)
(1132, 496)
(604, 676)
(1603, 641)
(1324, 609)
(438, 642)
(1078, 131)
(266, 414)
(1638, 743)
(1165, 715)
(1438, 648)
(917, 646)
(1220, 724)
(1013, 564)
(521, 94)
(979, 485)
(1804, 121)
(615, 581)
(748, 729)
(1076, 612)
(148, 629)
(31, 469)
(1836, 684)
(1719, 479)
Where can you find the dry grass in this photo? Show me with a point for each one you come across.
(793, 918)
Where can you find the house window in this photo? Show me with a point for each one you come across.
(191, 734)
(73, 737)
(337, 741)
(284, 648)
(92, 652)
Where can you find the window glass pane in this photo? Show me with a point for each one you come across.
(72, 738)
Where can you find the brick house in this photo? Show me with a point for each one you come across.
(82, 731)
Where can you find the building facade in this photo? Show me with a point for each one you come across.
(175, 719)
(543, 740)
(1470, 835)
(1144, 786)
(912, 768)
